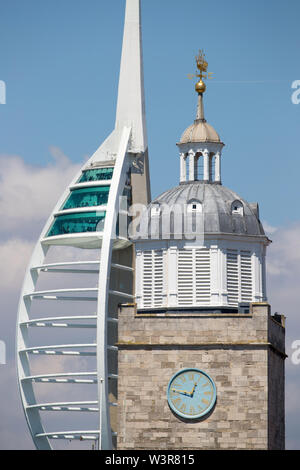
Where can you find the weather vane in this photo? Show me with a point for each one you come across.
(202, 73)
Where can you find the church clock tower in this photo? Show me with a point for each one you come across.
(201, 358)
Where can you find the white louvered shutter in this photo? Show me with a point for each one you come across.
(147, 279)
(158, 278)
(233, 277)
(193, 277)
(202, 276)
(153, 276)
(246, 276)
(185, 277)
(239, 276)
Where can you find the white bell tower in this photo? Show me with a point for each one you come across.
(202, 246)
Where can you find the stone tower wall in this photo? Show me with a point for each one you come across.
(243, 354)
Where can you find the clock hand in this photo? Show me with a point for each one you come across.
(181, 391)
(194, 388)
(185, 392)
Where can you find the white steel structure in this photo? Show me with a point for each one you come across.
(85, 218)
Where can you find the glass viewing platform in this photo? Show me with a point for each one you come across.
(96, 174)
(81, 222)
(87, 197)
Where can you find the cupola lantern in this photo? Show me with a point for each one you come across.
(200, 145)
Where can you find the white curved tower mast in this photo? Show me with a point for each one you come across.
(86, 219)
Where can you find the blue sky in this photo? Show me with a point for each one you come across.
(60, 61)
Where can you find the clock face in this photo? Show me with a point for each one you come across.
(191, 393)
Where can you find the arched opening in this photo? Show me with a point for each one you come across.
(212, 167)
(200, 167)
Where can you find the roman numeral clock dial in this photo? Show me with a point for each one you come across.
(191, 393)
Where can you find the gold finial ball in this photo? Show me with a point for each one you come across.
(200, 87)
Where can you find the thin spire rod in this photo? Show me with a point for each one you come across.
(200, 109)
(131, 99)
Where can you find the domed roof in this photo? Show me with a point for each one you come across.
(223, 210)
(200, 131)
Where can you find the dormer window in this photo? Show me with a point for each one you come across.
(194, 206)
(155, 210)
(237, 208)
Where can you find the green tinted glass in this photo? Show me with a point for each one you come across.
(87, 197)
(97, 174)
(77, 223)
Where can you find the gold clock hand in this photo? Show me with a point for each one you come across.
(180, 391)
(194, 388)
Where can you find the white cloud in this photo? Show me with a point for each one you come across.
(13, 429)
(283, 266)
(269, 229)
(284, 252)
(14, 256)
(27, 196)
(28, 193)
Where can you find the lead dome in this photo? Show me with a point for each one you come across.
(223, 210)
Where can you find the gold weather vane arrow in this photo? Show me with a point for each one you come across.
(201, 73)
